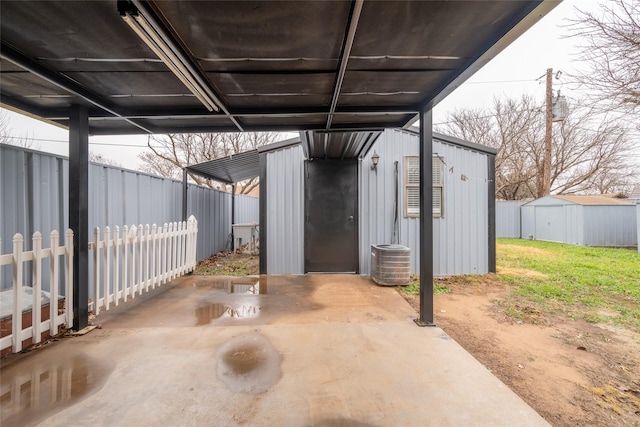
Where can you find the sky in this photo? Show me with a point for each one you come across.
(515, 71)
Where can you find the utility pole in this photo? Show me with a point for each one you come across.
(545, 188)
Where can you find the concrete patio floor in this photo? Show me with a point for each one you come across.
(316, 350)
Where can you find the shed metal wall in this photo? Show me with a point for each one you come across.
(638, 225)
(34, 197)
(285, 211)
(612, 226)
(508, 218)
(460, 236)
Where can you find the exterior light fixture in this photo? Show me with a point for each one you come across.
(374, 161)
(166, 50)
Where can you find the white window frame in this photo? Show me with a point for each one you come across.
(412, 188)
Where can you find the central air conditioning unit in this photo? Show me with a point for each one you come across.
(390, 265)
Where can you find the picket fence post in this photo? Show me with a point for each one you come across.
(16, 336)
(36, 288)
(107, 265)
(53, 272)
(96, 271)
(116, 263)
(68, 273)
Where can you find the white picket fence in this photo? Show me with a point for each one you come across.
(143, 258)
(20, 292)
(123, 267)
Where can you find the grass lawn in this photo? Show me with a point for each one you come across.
(596, 284)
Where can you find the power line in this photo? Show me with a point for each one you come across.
(115, 144)
(500, 81)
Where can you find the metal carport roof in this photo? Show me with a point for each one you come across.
(125, 67)
(260, 65)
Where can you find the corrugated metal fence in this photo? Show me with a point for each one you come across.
(508, 218)
(34, 197)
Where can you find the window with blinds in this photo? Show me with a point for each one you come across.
(412, 186)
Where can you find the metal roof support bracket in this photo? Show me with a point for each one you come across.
(346, 51)
(11, 55)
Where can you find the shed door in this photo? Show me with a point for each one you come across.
(331, 206)
(550, 223)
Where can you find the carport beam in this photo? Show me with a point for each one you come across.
(426, 220)
(79, 211)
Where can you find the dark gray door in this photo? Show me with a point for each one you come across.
(331, 208)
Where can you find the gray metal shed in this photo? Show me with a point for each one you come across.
(581, 220)
(463, 240)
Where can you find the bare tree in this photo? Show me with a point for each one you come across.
(99, 158)
(588, 154)
(609, 44)
(7, 136)
(171, 153)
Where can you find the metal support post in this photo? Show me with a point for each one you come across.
(491, 190)
(426, 220)
(233, 216)
(79, 211)
(263, 213)
(185, 194)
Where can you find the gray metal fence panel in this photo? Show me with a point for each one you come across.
(247, 209)
(508, 218)
(34, 197)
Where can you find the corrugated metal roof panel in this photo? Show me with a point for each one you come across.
(593, 200)
(237, 167)
(337, 145)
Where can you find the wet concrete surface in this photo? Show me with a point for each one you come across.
(249, 364)
(318, 350)
(36, 386)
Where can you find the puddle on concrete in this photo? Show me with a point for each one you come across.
(209, 312)
(249, 364)
(251, 285)
(35, 388)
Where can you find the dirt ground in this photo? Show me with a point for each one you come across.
(571, 372)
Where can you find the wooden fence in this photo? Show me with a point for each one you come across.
(30, 320)
(143, 258)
